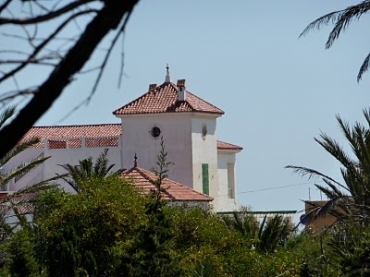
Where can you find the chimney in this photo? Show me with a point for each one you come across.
(181, 89)
(152, 86)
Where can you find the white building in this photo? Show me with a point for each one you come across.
(187, 123)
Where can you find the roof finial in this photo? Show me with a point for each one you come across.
(135, 160)
(168, 78)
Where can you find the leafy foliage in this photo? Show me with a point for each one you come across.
(109, 229)
(82, 229)
(267, 236)
(153, 246)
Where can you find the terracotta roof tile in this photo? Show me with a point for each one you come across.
(174, 191)
(24, 203)
(96, 130)
(164, 99)
(228, 146)
(72, 131)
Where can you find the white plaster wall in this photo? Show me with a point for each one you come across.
(72, 156)
(23, 157)
(176, 132)
(204, 150)
(26, 156)
(226, 204)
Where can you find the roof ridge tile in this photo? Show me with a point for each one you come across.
(164, 99)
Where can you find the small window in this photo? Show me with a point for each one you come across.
(205, 178)
(155, 132)
(204, 131)
(231, 180)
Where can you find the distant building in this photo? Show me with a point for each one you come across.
(316, 224)
(187, 123)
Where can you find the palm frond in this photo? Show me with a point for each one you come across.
(334, 188)
(364, 67)
(303, 171)
(86, 168)
(262, 226)
(366, 113)
(274, 233)
(18, 149)
(238, 224)
(321, 21)
(101, 163)
(329, 193)
(22, 169)
(322, 210)
(6, 114)
(334, 149)
(361, 150)
(344, 18)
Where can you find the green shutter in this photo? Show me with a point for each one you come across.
(205, 179)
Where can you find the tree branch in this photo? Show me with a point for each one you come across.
(108, 18)
(42, 45)
(3, 6)
(44, 17)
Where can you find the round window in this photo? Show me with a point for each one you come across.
(156, 132)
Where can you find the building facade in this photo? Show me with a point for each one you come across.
(186, 123)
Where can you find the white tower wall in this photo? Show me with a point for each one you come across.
(176, 132)
(204, 154)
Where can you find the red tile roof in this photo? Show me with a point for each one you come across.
(174, 191)
(72, 131)
(24, 203)
(96, 130)
(164, 99)
(228, 146)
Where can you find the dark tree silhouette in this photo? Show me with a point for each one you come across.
(341, 20)
(350, 198)
(44, 50)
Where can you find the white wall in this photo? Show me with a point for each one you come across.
(24, 157)
(204, 150)
(225, 158)
(176, 132)
(73, 155)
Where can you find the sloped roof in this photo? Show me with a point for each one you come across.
(74, 131)
(95, 130)
(228, 146)
(164, 99)
(144, 180)
(22, 202)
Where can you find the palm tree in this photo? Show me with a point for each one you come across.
(23, 168)
(266, 236)
(341, 20)
(21, 201)
(350, 198)
(87, 169)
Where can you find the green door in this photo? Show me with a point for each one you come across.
(205, 179)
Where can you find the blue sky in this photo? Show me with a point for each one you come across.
(245, 57)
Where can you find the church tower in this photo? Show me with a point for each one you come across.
(187, 124)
